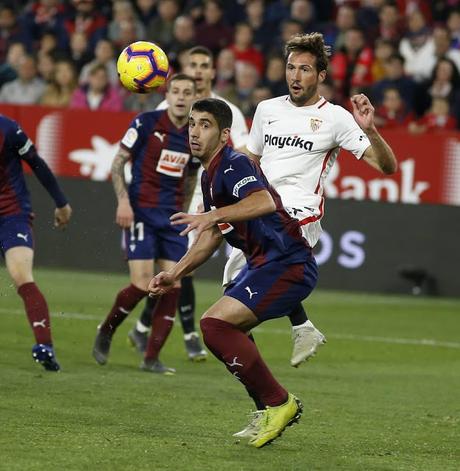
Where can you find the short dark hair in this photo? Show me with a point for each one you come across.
(312, 43)
(176, 77)
(218, 108)
(201, 50)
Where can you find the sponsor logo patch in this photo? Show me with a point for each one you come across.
(241, 183)
(130, 138)
(172, 163)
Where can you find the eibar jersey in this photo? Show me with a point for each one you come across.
(160, 157)
(15, 146)
(299, 145)
(276, 236)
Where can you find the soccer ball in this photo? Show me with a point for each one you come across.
(142, 66)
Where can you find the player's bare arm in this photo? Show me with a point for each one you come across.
(201, 250)
(379, 155)
(255, 205)
(124, 214)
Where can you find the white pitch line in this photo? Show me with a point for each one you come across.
(287, 331)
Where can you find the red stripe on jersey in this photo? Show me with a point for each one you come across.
(309, 219)
(322, 170)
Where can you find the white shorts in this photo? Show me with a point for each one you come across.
(311, 231)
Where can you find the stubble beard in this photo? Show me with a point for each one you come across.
(303, 99)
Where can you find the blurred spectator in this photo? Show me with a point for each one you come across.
(10, 30)
(88, 20)
(263, 30)
(260, 93)
(453, 24)
(442, 41)
(123, 11)
(243, 49)
(351, 66)
(97, 94)
(46, 16)
(146, 11)
(141, 102)
(393, 111)
(59, 92)
(225, 72)
(437, 118)
(213, 32)
(48, 44)
(288, 29)
(391, 25)
(275, 76)
(395, 78)
(382, 51)
(161, 28)
(303, 12)
(326, 90)
(45, 66)
(104, 54)
(183, 35)
(246, 80)
(278, 10)
(127, 34)
(8, 70)
(334, 31)
(79, 51)
(28, 88)
(417, 47)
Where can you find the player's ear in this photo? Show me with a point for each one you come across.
(225, 135)
(322, 76)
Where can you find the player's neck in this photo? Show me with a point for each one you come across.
(178, 122)
(206, 162)
(312, 101)
(204, 94)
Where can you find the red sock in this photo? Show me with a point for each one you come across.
(162, 322)
(125, 302)
(242, 359)
(37, 312)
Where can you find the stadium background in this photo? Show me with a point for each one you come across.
(366, 250)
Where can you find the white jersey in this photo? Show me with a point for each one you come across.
(298, 146)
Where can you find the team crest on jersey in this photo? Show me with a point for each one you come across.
(315, 124)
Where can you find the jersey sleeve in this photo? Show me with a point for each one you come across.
(135, 136)
(239, 129)
(204, 192)
(19, 142)
(241, 178)
(256, 141)
(348, 134)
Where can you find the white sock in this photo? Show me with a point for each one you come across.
(305, 324)
(190, 335)
(140, 327)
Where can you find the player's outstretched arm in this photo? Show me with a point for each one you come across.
(379, 155)
(255, 205)
(124, 215)
(45, 176)
(202, 249)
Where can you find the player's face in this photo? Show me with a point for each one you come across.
(302, 78)
(205, 138)
(180, 97)
(199, 66)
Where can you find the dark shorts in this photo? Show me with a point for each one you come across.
(274, 289)
(151, 236)
(15, 231)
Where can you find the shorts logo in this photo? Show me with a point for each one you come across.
(315, 124)
(130, 138)
(251, 294)
(241, 183)
(172, 163)
(22, 236)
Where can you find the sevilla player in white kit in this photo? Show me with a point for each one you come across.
(297, 138)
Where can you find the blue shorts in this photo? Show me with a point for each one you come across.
(274, 289)
(152, 237)
(15, 231)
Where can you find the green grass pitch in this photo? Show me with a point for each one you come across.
(383, 394)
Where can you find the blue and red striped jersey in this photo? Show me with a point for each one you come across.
(14, 147)
(161, 161)
(232, 176)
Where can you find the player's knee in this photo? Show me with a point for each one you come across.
(20, 279)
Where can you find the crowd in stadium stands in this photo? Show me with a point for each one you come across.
(405, 54)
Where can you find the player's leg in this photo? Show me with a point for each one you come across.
(162, 322)
(141, 272)
(139, 334)
(19, 263)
